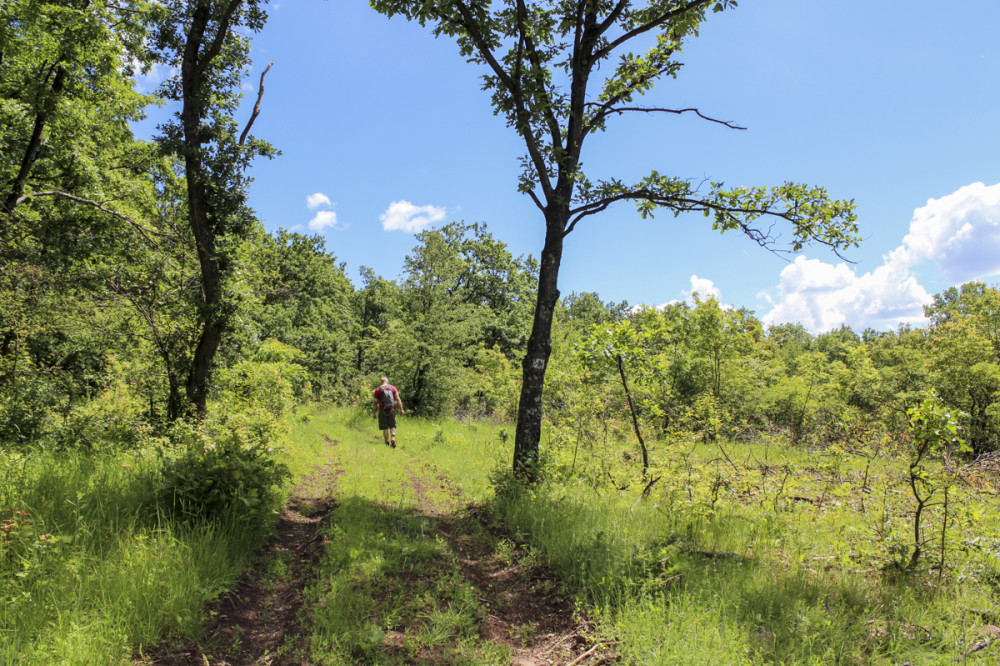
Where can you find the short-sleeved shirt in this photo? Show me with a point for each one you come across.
(386, 420)
(378, 395)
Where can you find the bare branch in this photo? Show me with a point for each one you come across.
(623, 109)
(979, 646)
(256, 107)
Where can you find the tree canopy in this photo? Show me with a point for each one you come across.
(561, 70)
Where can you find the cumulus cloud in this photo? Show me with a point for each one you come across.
(404, 216)
(705, 289)
(823, 296)
(316, 200)
(959, 233)
(324, 219)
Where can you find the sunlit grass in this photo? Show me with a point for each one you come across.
(388, 590)
(91, 571)
(741, 555)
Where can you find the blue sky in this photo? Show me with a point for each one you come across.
(384, 128)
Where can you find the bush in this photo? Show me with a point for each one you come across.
(211, 478)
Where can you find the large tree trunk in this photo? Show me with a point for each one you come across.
(536, 359)
(199, 214)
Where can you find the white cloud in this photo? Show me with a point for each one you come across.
(324, 219)
(959, 233)
(316, 200)
(405, 216)
(705, 289)
(823, 296)
(156, 75)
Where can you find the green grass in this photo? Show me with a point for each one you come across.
(726, 564)
(388, 588)
(748, 553)
(743, 553)
(90, 571)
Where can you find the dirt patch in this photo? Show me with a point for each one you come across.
(257, 622)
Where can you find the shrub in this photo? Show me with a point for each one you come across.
(213, 477)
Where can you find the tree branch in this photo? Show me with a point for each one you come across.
(684, 204)
(99, 206)
(536, 73)
(650, 25)
(256, 107)
(220, 37)
(622, 109)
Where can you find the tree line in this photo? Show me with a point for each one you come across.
(140, 265)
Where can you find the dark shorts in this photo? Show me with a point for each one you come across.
(386, 421)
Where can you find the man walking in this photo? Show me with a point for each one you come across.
(386, 402)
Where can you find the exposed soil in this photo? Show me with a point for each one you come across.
(260, 617)
(260, 614)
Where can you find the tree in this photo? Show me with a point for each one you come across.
(204, 40)
(66, 96)
(551, 70)
(304, 301)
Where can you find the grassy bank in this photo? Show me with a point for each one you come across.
(90, 570)
(758, 553)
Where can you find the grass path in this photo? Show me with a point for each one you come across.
(391, 557)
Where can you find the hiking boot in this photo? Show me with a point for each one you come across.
(392, 443)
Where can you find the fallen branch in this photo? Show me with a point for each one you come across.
(587, 654)
(980, 646)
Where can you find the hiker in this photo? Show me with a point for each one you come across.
(386, 402)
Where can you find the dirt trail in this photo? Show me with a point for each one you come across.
(261, 616)
(524, 610)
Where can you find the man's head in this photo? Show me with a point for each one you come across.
(385, 380)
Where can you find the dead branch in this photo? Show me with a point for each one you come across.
(649, 486)
(256, 107)
(976, 648)
(619, 110)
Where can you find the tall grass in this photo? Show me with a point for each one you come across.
(90, 570)
(722, 564)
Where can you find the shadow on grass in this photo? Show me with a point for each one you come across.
(397, 586)
(748, 606)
